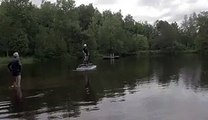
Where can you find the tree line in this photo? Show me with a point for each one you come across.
(54, 30)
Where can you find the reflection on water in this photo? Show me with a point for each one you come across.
(17, 101)
(144, 88)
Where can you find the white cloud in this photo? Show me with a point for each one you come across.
(86, 2)
(149, 10)
(105, 1)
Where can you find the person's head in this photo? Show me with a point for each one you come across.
(16, 55)
(85, 45)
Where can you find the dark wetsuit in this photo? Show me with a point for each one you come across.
(85, 50)
(86, 55)
(15, 67)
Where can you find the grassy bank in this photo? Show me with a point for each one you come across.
(150, 52)
(30, 60)
(24, 60)
(166, 52)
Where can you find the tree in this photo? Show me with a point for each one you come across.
(167, 37)
(202, 38)
(129, 24)
(15, 15)
(110, 34)
(85, 12)
(189, 31)
(49, 44)
(92, 32)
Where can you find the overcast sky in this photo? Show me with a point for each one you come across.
(148, 10)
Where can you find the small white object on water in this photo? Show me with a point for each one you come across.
(84, 67)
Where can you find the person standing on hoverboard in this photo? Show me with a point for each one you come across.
(86, 54)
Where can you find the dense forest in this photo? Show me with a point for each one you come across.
(54, 30)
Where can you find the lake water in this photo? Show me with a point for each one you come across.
(132, 88)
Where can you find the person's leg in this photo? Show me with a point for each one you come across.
(84, 61)
(87, 59)
(14, 82)
(18, 81)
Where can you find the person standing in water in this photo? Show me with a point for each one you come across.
(86, 54)
(15, 68)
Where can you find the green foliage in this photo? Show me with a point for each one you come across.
(15, 26)
(110, 34)
(140, 43)
(49, 44)
(59, 29)
(19, 42)
(167, 38)
(189, 31)
(202, 37)
(85, 15)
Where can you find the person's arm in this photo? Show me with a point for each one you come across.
(9, 66)
(84, 51)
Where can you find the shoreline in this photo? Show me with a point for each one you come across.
(24, 60)
(30, 60)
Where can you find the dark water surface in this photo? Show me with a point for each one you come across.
(134, 88)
